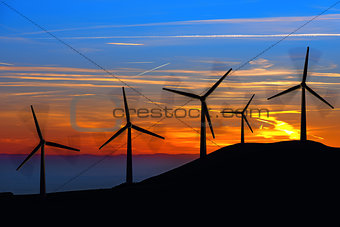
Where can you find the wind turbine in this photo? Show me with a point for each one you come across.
(304, 87)
(129, 126)
(204, 112)
(41, 145)
(243, 118)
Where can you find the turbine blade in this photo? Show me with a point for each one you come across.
(36, 124)
(305, 67)
(245, 108)
(318, 96)
(127, 112)
(146, 131)
(286, 91)
(248, 123)
(206, 113)
(52, 144)
(114, 136)
(30, 155)
(183, 93)
(216, 84)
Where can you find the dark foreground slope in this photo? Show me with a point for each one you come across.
(284, 177)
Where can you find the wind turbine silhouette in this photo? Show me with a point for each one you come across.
(204, 112)
(129, 126)
(243, 118)
(41, 145)
(304, 87)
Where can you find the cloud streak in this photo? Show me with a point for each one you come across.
(126, 44)
(4, 63)
(224, 36)
(200, 22)
(263, 74)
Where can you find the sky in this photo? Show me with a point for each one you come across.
(70, 60)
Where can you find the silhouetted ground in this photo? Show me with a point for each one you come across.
(283, 181)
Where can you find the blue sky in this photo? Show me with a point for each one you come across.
(71, 18)
(100, 12)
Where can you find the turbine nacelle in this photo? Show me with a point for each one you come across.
(128, 125)
(203, 98)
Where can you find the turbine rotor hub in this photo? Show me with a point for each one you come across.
(129, 125)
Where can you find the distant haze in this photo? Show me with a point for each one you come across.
(60, 169)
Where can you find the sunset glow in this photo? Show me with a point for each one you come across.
(76, 91)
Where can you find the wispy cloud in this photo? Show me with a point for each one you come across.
(224, 36)
(49, 69)
(47, 84)
(336, 75)
(261, 62)
(4, 63)
(140, 62)
(32, 93)
(200, 22)
(72, 70)
(218, 62)
(259, 36)
(263, 74)
(126, 44)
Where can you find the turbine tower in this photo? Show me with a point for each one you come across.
(129, 126)
(204, 112)
(304, 87)
(41, 145)
(243, 118)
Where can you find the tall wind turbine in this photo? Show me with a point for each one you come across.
(304, 87)
(204, 112)
(243, 118)
(41, 145)
(129, 126)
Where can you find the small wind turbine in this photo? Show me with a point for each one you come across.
(129, 126)
(41, 145)
(304, 87)
(204, 112)
(243, 118)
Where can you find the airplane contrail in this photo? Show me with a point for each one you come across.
(150, 70)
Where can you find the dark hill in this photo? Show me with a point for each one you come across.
(254, 165)
(251, 178)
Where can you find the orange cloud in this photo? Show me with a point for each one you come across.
(48, 69)
(281, 129)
